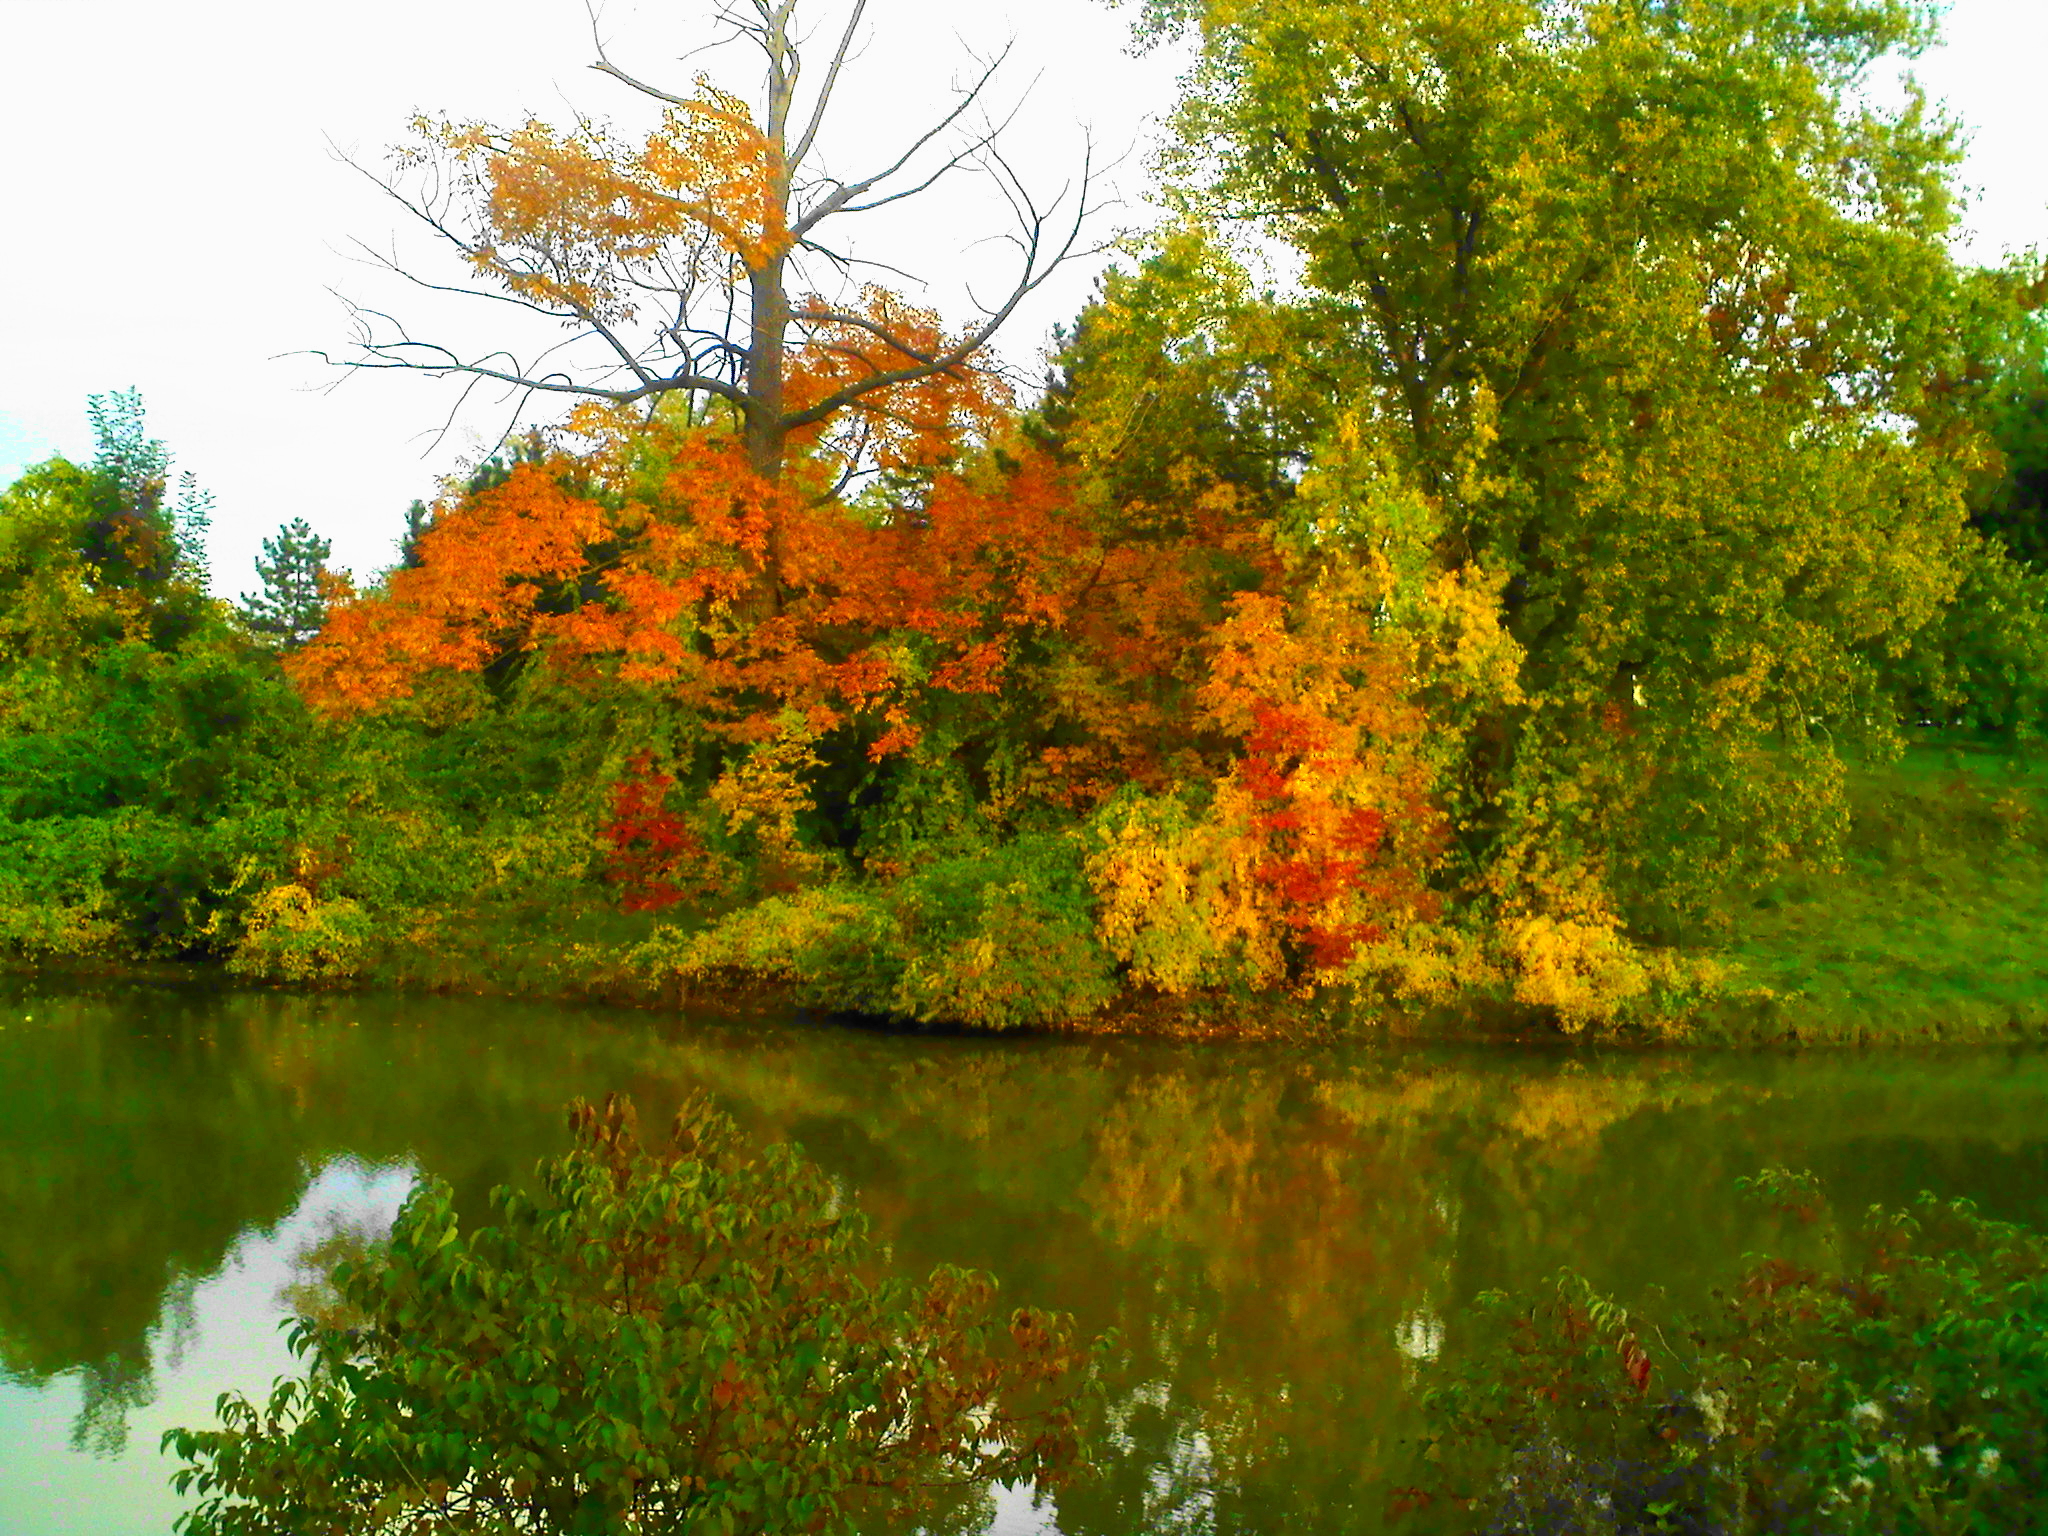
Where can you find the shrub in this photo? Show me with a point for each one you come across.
(292, 935)
(1899, 1384)
(1001, 938)
(53, 894)
(688, 1339)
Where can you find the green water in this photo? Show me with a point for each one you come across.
(1278, 1235)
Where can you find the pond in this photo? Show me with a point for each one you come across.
(1278, 1235)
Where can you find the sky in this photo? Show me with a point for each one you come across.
(176, 214)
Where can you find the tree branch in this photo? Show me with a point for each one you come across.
(1033, 221)
(795, 157)
(847, 192)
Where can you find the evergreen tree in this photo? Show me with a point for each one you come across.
(418, 518)
(291, 608)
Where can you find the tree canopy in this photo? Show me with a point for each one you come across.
(1462, 554)
(1651, 311)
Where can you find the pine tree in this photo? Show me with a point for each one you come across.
(291, 608)
(418, 518)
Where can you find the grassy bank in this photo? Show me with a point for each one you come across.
(1935, 926)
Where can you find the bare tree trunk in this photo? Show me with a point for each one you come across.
(769, 322)
(768, 295)
(766, 431)
(690, 348)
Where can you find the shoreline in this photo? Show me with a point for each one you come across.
(1774, 1024)
(1930, 930)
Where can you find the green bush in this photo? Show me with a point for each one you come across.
(53, 887)
(292, 935)
(1982, 665)
(1002, 938)
(1894, 1381)
(131, 880)
(690, 1339)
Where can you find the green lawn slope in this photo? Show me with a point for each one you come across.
(1934, 925)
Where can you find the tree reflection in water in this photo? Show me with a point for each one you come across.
(1275, 1233)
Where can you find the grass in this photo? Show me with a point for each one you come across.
(1935, 925)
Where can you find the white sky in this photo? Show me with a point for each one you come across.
(171, 215)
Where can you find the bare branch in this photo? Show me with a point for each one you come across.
(1033, 275)
(848, 192)
(796, 156)
(846, 263)
(965, 157)
(605, 66)
(438, 361)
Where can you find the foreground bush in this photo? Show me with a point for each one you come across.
(690, 1339)
(1897, 1384)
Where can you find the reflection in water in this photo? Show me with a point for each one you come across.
(108, 1391)
(217, 1331)
(1420, 1335)
(341, 1234)
(111, 1389)
(1279, 1237)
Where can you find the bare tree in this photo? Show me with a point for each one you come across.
(692, 263)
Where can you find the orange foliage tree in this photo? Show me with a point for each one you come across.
(677, 261)
(640, 560)
(993, 636)
(1314, 841)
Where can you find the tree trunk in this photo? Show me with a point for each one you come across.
(766, 340)
(764, 429)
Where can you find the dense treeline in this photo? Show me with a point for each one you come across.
(1476, 616)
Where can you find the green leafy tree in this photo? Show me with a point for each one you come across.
(2015, 509)
(1982, 664)
(1170, 382)
(143, 740)
(1642, 317)
(137, 524)
(684, 1340)
(292, 607)
(90, 554)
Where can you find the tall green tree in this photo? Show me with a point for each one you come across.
(134, 474)
(292, 607)
(1642, 317)
(98, 552)
(2015, 507)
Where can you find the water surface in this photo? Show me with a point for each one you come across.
(1279, 1236)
